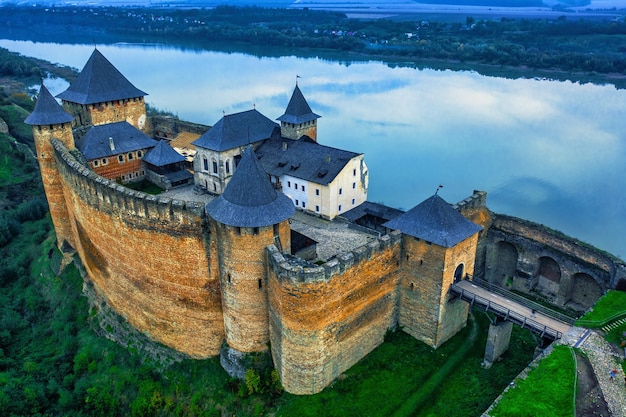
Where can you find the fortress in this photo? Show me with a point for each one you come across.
(244, 273)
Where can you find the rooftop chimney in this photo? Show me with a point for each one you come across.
(284, 146)
(111, 144)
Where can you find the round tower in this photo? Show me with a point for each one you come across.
(50, 121)
(249, 216)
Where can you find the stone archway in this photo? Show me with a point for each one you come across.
(459, 273)
(505, 266)
(584, 291)
(547, 277)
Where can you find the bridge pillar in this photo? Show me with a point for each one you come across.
(497, 342)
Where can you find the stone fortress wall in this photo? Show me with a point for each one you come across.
(157, 262)
(324, 319)
(150, 257)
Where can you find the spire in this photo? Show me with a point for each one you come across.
(298, 110)
(47, 111)
(435, 221)
(99, 81)
(249, 199)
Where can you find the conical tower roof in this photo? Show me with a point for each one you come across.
(249, 199)
(99, 81)
(163, 154)
(435, 221)
(298, 110)
(47, 111)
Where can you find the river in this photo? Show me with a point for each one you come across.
(553, 152)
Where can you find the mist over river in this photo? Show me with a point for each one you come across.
(552, 152)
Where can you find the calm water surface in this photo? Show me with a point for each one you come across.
(548, 151)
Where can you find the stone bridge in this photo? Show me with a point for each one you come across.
(527, 257)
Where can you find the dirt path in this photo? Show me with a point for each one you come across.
(589, 400)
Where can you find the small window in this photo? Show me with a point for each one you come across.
(228, 278)
(227, 167)
(353, 185)
(95, 163)
(297, 203)
(295, 185)
(139, 154)
(354, 172)
(260, 284)
(105, 161)
(288, 184)
(317, 191)
(303, 204)
(339, 207)
(215, 167)
(302, 188)
(131, 156)
(120, 158)
(205, 163)
(340, 191)
(255, 231)
(317, 209)
(353, 201)
(276, 228)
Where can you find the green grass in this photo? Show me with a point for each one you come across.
(406, 377)
(144, 186)
(548, 389)
(609, 307)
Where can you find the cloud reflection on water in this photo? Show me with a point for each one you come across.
(549, 151)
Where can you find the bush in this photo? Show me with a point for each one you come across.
(9, 228)
(30, 210)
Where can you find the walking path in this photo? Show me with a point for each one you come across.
(603, 359)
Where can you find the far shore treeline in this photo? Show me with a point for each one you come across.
(564, 48)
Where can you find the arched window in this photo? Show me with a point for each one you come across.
(214, 166)
(205, 164)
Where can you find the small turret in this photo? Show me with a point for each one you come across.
(49, 121)
(298, 120)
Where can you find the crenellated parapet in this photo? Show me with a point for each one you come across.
(297, 271)
(128, 205)
(324, 319)
(151, 257)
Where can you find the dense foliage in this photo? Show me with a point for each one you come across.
(564, 44)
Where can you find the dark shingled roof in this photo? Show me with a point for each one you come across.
(99, 81)
(163, 154)
(47, 111)
(435, 221)
(126, 138)
(238, 129)
(250, 199)
(303, 158)
(373, 209)
(298, 110)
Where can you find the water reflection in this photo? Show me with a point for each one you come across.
(548, 151)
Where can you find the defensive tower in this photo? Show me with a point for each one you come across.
(49, 120)
(438, 248)
(250, 215)
(101, 94)
(299, 119)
